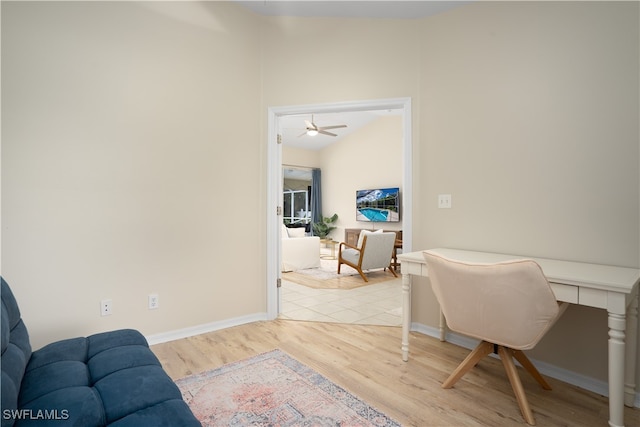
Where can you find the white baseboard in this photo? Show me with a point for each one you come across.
(203, 329)
(570, 377)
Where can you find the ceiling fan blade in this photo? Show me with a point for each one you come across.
(302, 134)
(332, 127)
(310, 125)
(324, 132)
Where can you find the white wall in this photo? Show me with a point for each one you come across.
(529, 118)
(368, 158)
(546, 95)
(121, 130)
(293, 156)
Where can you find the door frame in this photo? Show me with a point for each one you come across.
(274, 180)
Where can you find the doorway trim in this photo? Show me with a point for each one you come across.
(274, 179)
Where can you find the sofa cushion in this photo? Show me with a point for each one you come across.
(130, 390)
(69, 406)
(16, 350)
(65, 350)
(52, 377)
(296, 232)
(114, 359)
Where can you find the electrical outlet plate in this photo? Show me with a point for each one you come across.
(154, 301)
(106, 307)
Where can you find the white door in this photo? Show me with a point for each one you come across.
(274, 218)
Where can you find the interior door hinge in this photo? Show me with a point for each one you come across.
(279, 210)
(279, 282)
(279, 139)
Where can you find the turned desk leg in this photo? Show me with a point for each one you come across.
(617, 324)
(631, 352)
(406, 314)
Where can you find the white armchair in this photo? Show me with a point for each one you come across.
(299, 252)
(374, 250)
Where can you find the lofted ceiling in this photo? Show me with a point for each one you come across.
(292, 127)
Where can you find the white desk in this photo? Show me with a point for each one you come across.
(612, 288)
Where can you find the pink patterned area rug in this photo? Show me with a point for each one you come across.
(274, 389)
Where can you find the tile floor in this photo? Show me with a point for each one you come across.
(377, 304)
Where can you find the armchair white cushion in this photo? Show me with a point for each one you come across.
(374, 251)
(366, 233)
(299, 253)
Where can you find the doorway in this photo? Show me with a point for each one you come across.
(274, 179)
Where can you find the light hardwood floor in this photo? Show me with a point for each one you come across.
(366, 361)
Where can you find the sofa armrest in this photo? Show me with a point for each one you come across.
(300, 253)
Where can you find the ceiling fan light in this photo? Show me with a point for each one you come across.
(312, 132)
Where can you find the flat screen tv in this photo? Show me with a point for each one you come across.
(378, 205)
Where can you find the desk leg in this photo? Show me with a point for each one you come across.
(617, 324)
(406, 314)
(631, 350)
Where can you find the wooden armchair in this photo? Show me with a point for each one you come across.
(374, 250)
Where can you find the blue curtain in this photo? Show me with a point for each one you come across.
(316, 196)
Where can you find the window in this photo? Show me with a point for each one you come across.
(296, 207)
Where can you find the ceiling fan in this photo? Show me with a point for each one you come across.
(312, 129)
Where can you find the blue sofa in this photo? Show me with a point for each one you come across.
(108, 379)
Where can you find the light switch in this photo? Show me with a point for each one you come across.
(444, 201)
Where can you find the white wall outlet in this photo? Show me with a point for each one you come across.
(106, 306)
(154, 301)
(444, 201)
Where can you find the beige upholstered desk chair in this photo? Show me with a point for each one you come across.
(509, 306)
(374, 251)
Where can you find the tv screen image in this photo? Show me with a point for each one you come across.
(378, 205)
